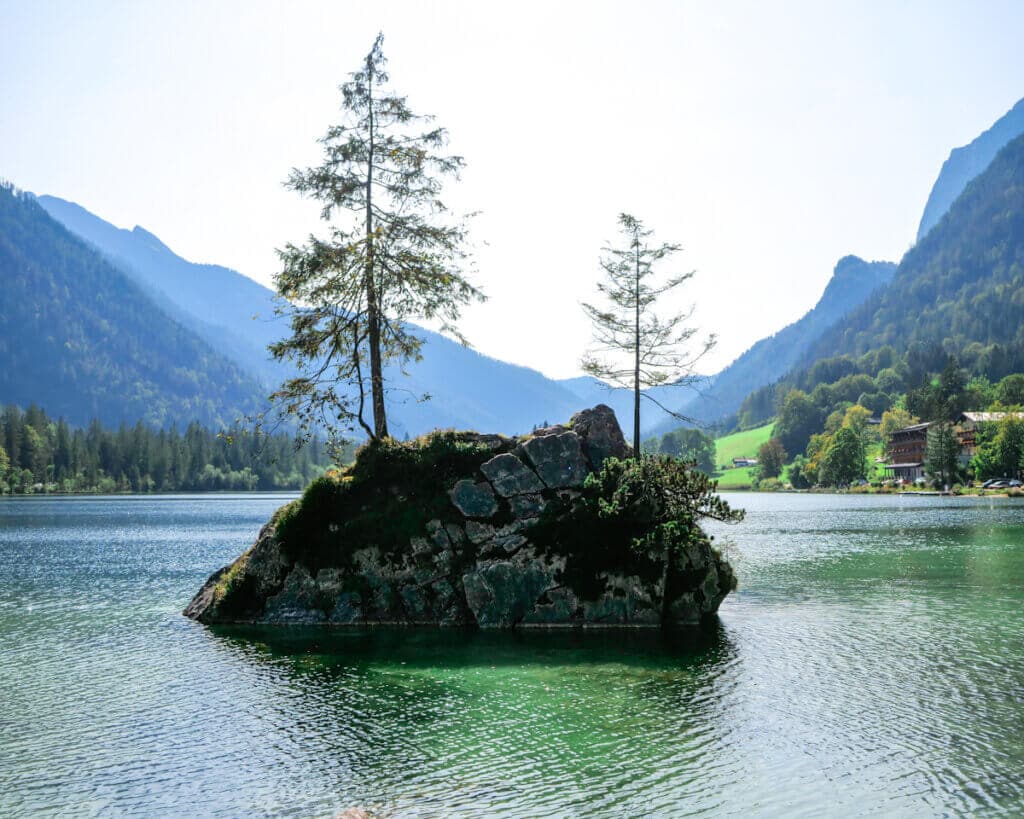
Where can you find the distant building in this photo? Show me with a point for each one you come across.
(907, 451)
(908, 447)
(737, 462)
(968, 424)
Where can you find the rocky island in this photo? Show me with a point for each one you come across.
(562, 527)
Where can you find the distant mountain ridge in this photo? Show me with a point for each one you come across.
(80, 338)
(853, 281)
(229, 310)
(967, 162)
(961, 286)
(466, 389)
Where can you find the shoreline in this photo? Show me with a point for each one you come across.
(967, 493)
(212, 493)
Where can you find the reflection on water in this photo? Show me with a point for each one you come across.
(446, 722)
(871, 663)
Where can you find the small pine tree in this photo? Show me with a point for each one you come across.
(634, 348)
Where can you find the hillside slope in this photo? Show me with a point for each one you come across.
(80, 338)
(228, 309)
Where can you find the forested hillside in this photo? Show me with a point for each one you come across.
(232, 312)
(962, 286)
(935, 340)
(79, 337)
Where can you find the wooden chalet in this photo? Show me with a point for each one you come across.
(907, 452)
(908, 447)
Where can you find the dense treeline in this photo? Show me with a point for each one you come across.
(878, 379)
(690, 445)
(927, 382)
(38, 454)
(833, 433)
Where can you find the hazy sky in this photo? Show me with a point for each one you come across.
(770, 139)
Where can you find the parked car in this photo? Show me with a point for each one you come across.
(998, 485)
(1014, 482)
(988, 484)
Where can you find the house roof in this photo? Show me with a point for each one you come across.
(913, 428)
(902, 466)
(986, 417)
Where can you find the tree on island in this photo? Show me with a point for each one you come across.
(395, 256)
(635, 349)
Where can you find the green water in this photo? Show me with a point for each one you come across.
(872, 663)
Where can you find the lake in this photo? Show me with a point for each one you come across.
(872, 663)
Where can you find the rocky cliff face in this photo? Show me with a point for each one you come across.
(512, 543)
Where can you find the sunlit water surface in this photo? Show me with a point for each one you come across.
(872, 663)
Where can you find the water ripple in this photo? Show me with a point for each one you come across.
(872, 663)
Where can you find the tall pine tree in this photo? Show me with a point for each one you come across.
(391, 255)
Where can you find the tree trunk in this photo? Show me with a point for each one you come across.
(380, 421)
(636, 360)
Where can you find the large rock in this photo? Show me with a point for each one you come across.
(297, 602)
(600, 434)
(510, 476)
(247, 583)
(527, 506)
(558, 459)
(501, 593)
(495, 557)
(474, 500)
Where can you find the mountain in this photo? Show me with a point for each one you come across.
(965, 163)
(853, 281)
(80, 338)
(467, 390)
(961, 287)
(229, 310)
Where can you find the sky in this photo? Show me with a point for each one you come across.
(768, 139)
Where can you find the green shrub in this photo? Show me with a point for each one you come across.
(626, 518)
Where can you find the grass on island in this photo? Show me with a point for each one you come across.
(739, 445)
